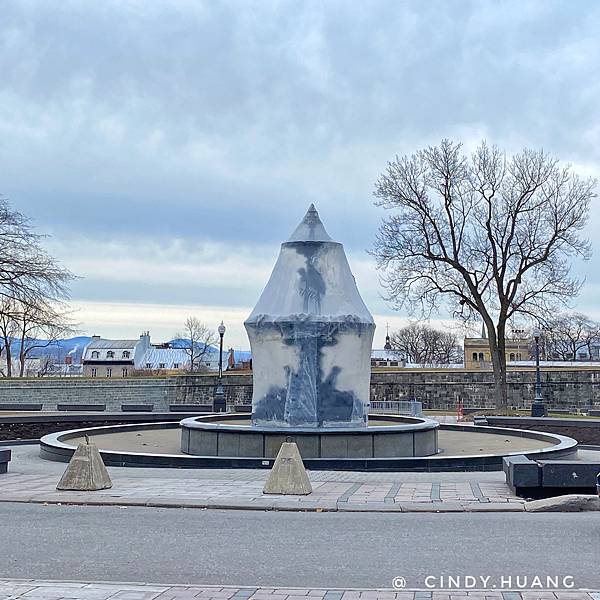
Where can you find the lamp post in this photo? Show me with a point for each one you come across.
(219, 404)
(538, 408)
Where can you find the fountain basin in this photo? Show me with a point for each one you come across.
(461, 448)
(386, 436)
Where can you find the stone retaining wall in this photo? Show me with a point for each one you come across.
(585, 431)
(111, 392)
(437, 389)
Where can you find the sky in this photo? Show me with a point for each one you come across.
(169, 147)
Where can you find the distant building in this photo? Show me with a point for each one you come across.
(114, 358)
(386, 358)
(165, 358)
(66, 369)
(124, 358)
(238, 360)
(477, 354)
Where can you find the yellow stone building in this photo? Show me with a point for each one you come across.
(478, 356)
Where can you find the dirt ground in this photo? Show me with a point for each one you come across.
(451, 443)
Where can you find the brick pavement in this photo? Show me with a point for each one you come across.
(69, 590)
(227, 493)
(32, 479)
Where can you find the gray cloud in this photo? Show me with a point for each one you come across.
(221, 121)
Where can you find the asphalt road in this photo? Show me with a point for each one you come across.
(292, 549)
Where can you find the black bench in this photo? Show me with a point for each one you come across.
(242, 408)
(469, 410)
(546, 478)
(137, 407)
(81, 407)
(191, 407)
(4, 460)
(15, 406)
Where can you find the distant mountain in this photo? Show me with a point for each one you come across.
(181, 343)
(75, 346)
(240, 355)
(59, 349)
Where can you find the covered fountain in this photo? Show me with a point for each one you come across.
(311, 336)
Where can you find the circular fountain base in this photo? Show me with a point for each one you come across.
(460, 448)
(385, 437)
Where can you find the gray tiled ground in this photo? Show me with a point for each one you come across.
(59, 590)
(32, 479)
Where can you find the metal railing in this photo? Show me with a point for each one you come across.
(398, 407)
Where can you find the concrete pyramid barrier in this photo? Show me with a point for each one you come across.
(86, 471)
(288, 475)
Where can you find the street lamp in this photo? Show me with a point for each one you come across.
(221, 330)
(538, 408)
(219, 404)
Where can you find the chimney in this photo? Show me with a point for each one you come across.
(145, 339)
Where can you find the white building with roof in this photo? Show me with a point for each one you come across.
(114, 358)
(170, 359)
(122, 358)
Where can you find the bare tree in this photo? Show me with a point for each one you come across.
(31, 325)
(33, 287)
(488, 237)
(422, 344)
(8, 331)
(40, 326)
(198, 340)
(27, 271)
(448, 348)
(572, 333)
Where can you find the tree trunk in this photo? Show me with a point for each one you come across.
(21, 364)
(8, 360)
(497, 343)
(22, 354)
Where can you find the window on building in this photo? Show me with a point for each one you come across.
(512, 356)
(161, 365)
(95, 354)
(124, 372)
(148, 365)
(110, 354)
(126, 354)
(109, 372)
(481, 356)
(474, 355)
(176, 365)
(93, 373)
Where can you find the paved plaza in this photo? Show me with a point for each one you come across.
(68, 590)
(32, 479)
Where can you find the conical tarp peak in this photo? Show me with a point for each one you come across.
(86, 471)
(310, 229)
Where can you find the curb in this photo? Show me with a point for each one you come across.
(565, 503)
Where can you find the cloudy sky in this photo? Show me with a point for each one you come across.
(169, 147)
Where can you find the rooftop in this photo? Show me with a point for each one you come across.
(102, 344)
